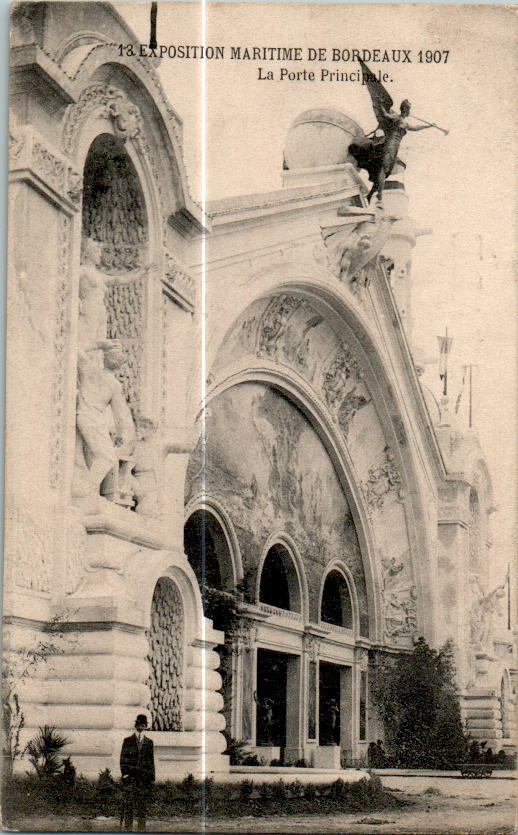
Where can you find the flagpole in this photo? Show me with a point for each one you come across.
(152, 34)
(445, 386)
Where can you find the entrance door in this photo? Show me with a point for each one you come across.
(329, 704)
(272, 681)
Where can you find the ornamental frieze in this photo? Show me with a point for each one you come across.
(30, 152)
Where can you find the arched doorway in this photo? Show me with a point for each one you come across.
(166, 657)
(206, 547)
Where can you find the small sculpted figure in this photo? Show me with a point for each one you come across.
(93, 316)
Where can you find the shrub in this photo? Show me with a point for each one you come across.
(419, 706)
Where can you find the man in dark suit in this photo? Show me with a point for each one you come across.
(138, 775)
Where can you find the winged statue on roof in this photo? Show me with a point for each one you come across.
(378, 155)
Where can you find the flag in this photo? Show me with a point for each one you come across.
(445, 343)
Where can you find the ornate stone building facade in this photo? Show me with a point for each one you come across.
(234, 538)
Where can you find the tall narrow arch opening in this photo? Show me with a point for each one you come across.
(336, 605)
(207, 549)
(279, 584)
(114, 211)
(166, 657)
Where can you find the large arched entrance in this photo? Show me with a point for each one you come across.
(207, 549)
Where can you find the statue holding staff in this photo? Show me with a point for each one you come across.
(379, 155)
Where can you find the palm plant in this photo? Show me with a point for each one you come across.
(43, 751)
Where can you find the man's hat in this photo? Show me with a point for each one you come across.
(141, 719)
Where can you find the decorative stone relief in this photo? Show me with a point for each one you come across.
(244, 635)
(311, 646)
(178, 283)
(484, 606)
(58, 383)
(125, 314)
(344, 372)
(30, 549)
(126, 123)
(75, 555)
(354, 241)
(166, 637)
(274, 323)
(123, 114)
(105, 429)
(29, 150)
(383, 480)
(399, 598)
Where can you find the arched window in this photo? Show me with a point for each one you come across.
(336, 607)
(279, 581)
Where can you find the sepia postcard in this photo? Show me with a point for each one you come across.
(260, 502)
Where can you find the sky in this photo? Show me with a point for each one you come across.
(461, 186)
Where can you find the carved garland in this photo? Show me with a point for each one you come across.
(58, 387)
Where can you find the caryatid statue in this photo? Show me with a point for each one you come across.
(105, 427)
(378, 156)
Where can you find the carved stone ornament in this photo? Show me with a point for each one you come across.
(342, 386)
(75, 558)
(114, 106)
(311, 646)
(401, 613)
(355, 241)
(60, 353)
(31, 152)
(178, 283)
(29, 549)
(274, 323)
(484, 606)
(383, 480)
(244, 636)
(399, 597)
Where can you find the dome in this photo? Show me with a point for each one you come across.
(320, 137)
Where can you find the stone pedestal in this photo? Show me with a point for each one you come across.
(327, 756)
(267, 753)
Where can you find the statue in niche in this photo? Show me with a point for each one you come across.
(145, 468)
(266, 706)
(105, 429)
(93, 316)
